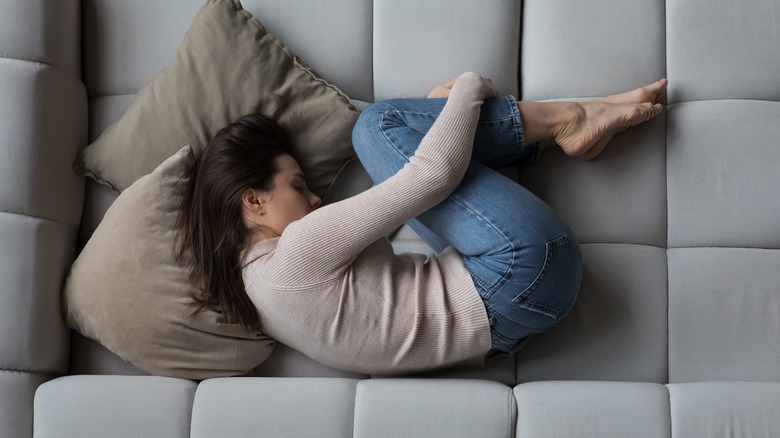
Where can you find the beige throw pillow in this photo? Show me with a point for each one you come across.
(226, 66)
(127, 292)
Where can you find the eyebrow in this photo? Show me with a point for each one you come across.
(299, 175)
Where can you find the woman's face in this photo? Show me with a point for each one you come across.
(289, 199)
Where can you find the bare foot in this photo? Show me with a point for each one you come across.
(590, 125)
(649, 93)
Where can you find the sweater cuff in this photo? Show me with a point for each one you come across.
(469, 89)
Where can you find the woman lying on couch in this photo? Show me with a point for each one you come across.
(325, 280)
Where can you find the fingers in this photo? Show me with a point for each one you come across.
(443, 90)
(490, 87)
(439, 91)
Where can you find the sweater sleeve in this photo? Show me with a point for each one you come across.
(326, 241)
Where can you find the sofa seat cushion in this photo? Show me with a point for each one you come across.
(91, 406)
(79, 406)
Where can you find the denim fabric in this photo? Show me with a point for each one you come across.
(523, 258)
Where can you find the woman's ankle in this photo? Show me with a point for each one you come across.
(542, 121)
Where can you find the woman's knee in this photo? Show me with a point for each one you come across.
(369, 126)
(379, 151)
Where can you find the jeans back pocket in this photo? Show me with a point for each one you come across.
(555, 289)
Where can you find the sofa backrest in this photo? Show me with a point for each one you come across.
(43, 124)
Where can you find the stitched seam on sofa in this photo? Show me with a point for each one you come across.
(31, 372)
(99, 96)
(764, 248)
(16, 213)
(642, 245)
(720, 99)
(45, 64)
(669, 398)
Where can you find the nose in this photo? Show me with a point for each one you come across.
(315, 201)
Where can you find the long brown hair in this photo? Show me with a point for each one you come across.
(210, 221)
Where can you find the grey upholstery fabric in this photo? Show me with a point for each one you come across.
(126, 44)
(89, 357)
(41, 32)
(17, 390)
(433, 408)
(252, 407)
(617, 329)
(723, 314)
(418, 45)
(97, 406)
(286, 362)
(592, 409)
(585, 49)
(42, 127)
(714, 409)
(33, 126)
(723, 174)
(723, 50)
(677, 219)
(86, 406)
(328, 35)
(30, 315)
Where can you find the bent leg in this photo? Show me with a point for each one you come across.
(522, 257)
(389, 132)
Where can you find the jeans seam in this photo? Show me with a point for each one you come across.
(506, 274)
(533, 156)
(516, 344)
(387, 138)
(514, 108)
(551, 246)
(498, 315)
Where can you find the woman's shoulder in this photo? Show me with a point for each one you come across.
(258, 250)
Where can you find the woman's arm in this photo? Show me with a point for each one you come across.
(326, 241)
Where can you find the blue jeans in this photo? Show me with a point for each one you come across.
(522, 257)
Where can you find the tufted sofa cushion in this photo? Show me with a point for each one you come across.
(87, 406)
(675, 331)
(42, 125)
(677, 219)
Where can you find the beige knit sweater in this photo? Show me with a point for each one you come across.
(332, 288)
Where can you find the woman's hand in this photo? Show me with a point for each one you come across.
(443, 90)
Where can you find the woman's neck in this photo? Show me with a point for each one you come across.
(257, 235)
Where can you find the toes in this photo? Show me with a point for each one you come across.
(652, 110)
(655, 90)
(655, 109)
(649, 93)
(641, 113)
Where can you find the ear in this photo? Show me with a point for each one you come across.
(252, 201)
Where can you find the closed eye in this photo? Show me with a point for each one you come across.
(299, 182)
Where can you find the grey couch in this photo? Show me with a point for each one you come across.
(677, 329)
